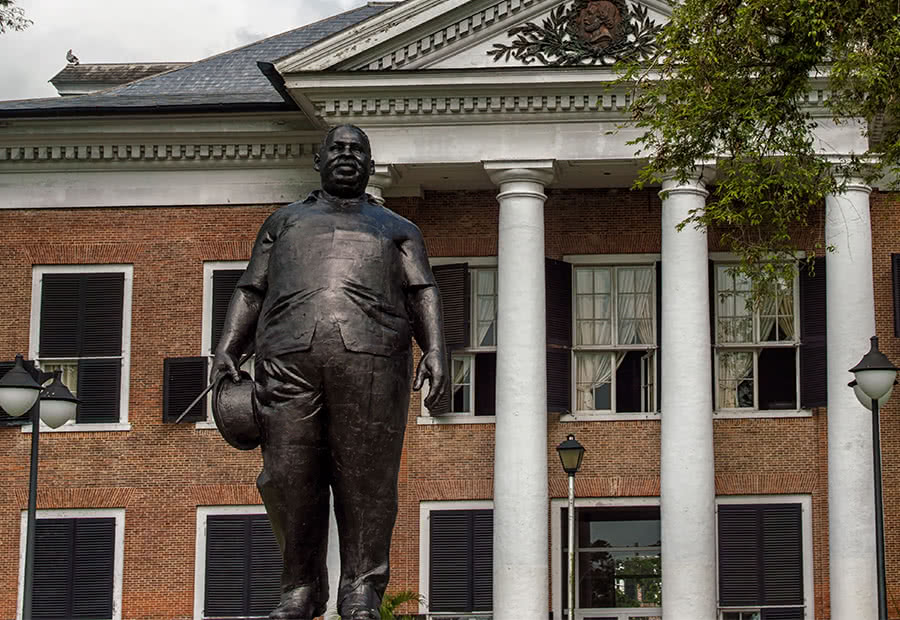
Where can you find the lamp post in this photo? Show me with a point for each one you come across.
(20, 390)
(875, 376)
(570, 454)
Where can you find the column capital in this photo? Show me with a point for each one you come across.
(694, 184)
(383, 178)
(541, 171)
(854, 184)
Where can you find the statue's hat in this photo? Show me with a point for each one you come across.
(234, 409)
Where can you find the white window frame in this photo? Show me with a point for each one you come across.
(38, 272)
(559, 599)
(611, 261)
(806, 526)
(425, 510)
(726, 260)
(425, 417)
(79, 513)
(210, 267)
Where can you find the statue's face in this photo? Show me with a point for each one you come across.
(345, 163)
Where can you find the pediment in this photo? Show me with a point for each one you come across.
(485, 34)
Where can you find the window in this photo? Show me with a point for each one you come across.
(81, 326)
(457, 559)
(469, 297)
(614, 341)
(238, 564)
(764, 559)
(757, 364)
(77, 564)
(617, 561)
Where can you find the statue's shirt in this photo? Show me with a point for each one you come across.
(329, 262)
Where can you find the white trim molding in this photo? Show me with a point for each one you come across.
(80, 513)
(38, 272)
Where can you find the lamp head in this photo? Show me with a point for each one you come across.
(875, 373)
(570, 454)
(58, 404)
(18, 389)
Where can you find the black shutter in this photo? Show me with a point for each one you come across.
(99, 390)
(184, 378)
(482, 560)
(813, 369)
(461, 560)
(60, 315)
(792, 613)
(243, 566)
(761, 555)
(485, 383)
(895, 280)
(73, 570)
(558, 277)
(5, 418)
(740, 550)
(101, 315)
(453, 283)
(265, 567)
(224, 283)
(659, 338)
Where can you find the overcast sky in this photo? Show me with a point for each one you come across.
(140, 31)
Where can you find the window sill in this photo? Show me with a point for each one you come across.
(772, 413)
(205, 425)
(104, 427)
(593, 416)
(456, 418)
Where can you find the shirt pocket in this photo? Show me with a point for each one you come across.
(355, 244)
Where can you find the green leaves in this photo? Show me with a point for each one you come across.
(12, 17)
(730, 85)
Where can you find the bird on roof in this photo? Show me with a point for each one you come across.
(72, 58)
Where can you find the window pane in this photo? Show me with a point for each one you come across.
(619, 579)
(735, 379)
(486, 307)
(68, 370)
(778, 378)
(618, 527)
(593, 373)
(630, 386)
(461, 401)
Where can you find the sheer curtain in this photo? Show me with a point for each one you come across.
(734, 368)
(594, 370)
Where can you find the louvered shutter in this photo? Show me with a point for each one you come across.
(558, 278)
(184, 378)
(740, 548)
(73, 570)
(461, 556)
(485, 383)
(99, 390)
(761, 556)
(792, 613)
(60, 334)
(5, 418)
(265, 567)
(659, 338)
(813, 370)
(226, 550)
(101, 315)
(482, 560)
(224, 283)
(895, 281)
(453, 283)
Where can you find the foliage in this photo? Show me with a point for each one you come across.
(730, 84)
(391, 602)
(12, 17)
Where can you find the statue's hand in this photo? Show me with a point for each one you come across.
(227, 364)
(432, 366)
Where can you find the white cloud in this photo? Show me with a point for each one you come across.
(138, 31)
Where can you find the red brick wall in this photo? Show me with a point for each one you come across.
(161, 473)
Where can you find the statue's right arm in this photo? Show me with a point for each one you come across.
(237, 334)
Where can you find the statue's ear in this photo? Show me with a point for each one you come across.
(371, 167)
(317, 160)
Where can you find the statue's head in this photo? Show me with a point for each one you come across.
(345, 161)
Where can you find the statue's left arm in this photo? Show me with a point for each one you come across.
(424, 305)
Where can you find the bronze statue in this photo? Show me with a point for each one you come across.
(335, 288)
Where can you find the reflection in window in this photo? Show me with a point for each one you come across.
(618, 560)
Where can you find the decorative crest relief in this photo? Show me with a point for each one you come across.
(586, 32)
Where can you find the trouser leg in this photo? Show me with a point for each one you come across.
(368, 399)
(294, 480)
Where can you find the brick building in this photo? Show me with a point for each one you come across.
(716, 483)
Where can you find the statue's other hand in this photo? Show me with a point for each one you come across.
(432, 366)
(227, 364)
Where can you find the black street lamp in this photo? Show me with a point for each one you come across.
(571, 454)
(20, 390)
(875, 375)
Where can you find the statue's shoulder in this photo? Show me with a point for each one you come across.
(397, 221)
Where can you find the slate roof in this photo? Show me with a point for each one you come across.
(228, 81)
(112, 73)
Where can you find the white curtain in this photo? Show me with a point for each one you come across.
(69, 373)
(594, 370)
(734, 368)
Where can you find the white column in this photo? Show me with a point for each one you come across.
(382, 179)
(521, 528)
(687, 467)
(850, 322)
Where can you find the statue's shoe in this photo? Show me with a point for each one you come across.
(361, 604)
(298, 604)
(364, 614)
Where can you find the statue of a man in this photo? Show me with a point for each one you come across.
(335, 287)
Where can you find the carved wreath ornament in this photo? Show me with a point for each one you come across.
(587, 32)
